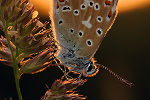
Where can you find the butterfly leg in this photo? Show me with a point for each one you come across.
(79, 78)
(66, 74)
(64, 71)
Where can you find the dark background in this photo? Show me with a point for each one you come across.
(125, 50)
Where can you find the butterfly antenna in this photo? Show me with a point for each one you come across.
(126, 82)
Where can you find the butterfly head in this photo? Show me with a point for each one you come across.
(90, 69)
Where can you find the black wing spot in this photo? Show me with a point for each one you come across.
(60, 21)
(91, 3)
(97, 6)
(72, 30)
(76, 12)
(99, 19)
(99, 31)
(89, 42)
(66, 8)
(80, 33)
(83, 6)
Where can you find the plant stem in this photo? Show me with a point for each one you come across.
(15, 66)
(17, 77)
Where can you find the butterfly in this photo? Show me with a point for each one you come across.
(79, 27)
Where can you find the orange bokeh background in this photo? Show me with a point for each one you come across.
(123, 5)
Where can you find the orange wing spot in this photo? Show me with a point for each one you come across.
(110, 13)
(107, 2)
(61, 0)
(57, 5)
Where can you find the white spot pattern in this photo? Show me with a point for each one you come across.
(86, 2)
(114, 7)
(87, 23)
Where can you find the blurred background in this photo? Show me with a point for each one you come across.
(125, 50)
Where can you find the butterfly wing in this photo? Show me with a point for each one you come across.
(102, 16)
(82, 24)
(63, 22)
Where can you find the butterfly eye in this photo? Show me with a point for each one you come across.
(80, 33)
(96, 6)
(99, 31)
(71, 30)
(99, 19)
(83, 6)
(89, 42)
(91, 3)
(76, 12)
(90, 68)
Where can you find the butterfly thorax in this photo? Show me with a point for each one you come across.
(79, 65)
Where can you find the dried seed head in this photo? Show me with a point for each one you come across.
(37, 63)
(3, 3)
(63, 90)
(26, 33)
(5, 53)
